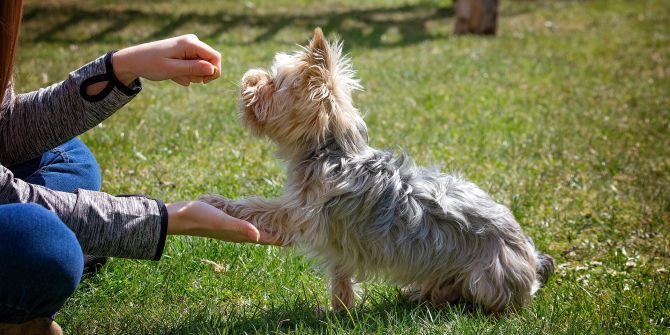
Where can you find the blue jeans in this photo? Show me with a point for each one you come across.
(41, 260)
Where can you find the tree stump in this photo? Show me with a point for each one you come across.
(476, 17)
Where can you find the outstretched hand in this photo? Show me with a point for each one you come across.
(197, 218)
(183, 59)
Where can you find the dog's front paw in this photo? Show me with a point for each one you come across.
(217, 201)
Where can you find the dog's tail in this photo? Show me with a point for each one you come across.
(544, 266)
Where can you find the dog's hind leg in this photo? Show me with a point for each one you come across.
(343, 297)
(444, 293)
(435, 294)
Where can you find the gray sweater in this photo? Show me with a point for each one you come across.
(32, 123)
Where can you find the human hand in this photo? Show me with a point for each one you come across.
(183, 59)
(197, 218)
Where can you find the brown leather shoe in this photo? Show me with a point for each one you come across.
(93, 264)
(39, 326)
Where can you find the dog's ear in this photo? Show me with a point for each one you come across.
(319, 50)
(318, 73)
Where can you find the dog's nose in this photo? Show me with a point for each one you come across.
(253, 78)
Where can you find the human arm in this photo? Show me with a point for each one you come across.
(34, 122)
(132, 226)
(105, 225)
(184, 60)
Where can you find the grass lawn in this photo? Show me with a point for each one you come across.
(564, 117)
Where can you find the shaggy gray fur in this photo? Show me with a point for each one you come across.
(369, 214)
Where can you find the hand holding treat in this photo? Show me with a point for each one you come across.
(183, 59)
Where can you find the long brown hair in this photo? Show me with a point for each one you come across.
(10, 22)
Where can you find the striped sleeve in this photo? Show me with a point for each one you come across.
(35, 122)
(32, 123)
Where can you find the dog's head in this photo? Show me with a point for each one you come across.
(305, 99)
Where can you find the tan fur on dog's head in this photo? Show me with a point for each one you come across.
(304, 100)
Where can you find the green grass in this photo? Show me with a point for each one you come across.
(564, 117)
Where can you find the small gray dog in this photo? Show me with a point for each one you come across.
(364, 213)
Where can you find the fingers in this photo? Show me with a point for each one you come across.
(187, 80)
(242, 231)
(193, 69)
(193, 48)
(217, 74)
(262, 237)
(253, 233)
(204, 51)
(258, 236)
(230, 228)
(269, 239)
(183, 81)
(184, 59)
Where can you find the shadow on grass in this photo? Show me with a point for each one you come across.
(377, 312)
(73, 24)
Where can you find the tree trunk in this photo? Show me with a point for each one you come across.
(476, 17)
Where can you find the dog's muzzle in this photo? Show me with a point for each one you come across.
(254, 78)
(252, 81)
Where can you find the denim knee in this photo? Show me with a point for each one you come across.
(41, 261)
(86, 171)
(64, 168)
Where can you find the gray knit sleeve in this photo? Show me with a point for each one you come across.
(35, 122)
(129, 227)
(105, 225)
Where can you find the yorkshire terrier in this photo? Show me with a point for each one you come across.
(365, 213)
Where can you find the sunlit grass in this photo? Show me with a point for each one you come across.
(564, 117)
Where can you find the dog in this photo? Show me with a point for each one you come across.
(368, 214)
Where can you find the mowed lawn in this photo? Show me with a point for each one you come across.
(564, 117)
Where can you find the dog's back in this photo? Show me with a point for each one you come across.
(385, 217)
